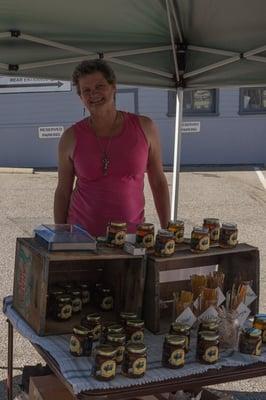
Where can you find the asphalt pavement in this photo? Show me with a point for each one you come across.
(26, 200)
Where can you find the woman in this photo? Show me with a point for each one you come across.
(108, 153)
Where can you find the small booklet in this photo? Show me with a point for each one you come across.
(64, 237)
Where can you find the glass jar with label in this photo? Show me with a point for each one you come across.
(85, 293)
(208, 347)
(164, 243)
(177, 228)
(135, 331)
(181, 330)
(135, 360)
(250, 341)
(118, 341)
(93, 323)
(124, 316)
(106, 299)
(63, 307)
(116, 234)
(173, 351)
(53, 293)
(76, 301)
(105, 364)
(145, 235)
(80, 342)
(213, 225)
(228, 236)
(200, 239)
(260, 323)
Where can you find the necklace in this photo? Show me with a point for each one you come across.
(105, 151)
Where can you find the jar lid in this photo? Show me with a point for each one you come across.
(253, 332)
(116, 337)
(178, 222)
(146, 226)
(210, 324)
(75, 292)
(64, 298)
(84, 285)
(80, 330)
(211, 221)
(93, 317)
(175, 339)
(209, 336)
(56, 292)
(200, 229)
(229, 226)
(138, 348)
(165, 232)
(118, 224)
(135, 322)
(128, 315)
(106, 290)
(260, 316)
(105, 350)
(177, 326)
(115, 328)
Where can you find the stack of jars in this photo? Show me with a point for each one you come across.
(175, 345)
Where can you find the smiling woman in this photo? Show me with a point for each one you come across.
(109, 153)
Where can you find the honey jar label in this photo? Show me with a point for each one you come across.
(107, 303)
(204, 243)
(75, 346)
(85, 297)
(232, 239)
(139, 366)
(137, 337)
(65, 312)
(214, 234)
(96, 332)
(211, 354)
(119, 354)
(76, 305)
(148, 240)
(119, 238)
(107, 369)
(179, 236)
(177, 357)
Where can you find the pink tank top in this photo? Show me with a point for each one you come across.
(118, 196)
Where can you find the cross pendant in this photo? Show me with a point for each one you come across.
(106, 163)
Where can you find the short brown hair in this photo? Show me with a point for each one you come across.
(88, 67)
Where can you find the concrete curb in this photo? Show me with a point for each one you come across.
(8, 170)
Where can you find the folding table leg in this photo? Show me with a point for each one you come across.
(9, 383)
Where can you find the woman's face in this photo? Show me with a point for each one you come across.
(95, 92)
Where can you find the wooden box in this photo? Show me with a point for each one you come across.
(48, 387)
(36, 270)
(167, 275)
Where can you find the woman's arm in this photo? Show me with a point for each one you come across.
(65, 177)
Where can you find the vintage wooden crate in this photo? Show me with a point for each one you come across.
(36, 269)
(167, 275)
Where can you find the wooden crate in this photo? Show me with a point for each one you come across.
(36, 269)
(242, 262)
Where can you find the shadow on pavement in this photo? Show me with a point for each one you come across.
(16, 387)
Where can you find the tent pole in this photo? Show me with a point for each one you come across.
(177, 153)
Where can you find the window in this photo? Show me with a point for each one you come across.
(195, 102)
(252, 100)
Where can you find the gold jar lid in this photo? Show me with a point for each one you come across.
(212, 325)
(208, 336)
(93, 317)
(117, 224)
(176, 223)
(64, 298)
(128, 315)
(200, 229)
(84, 286)
(116, 337)
(175, 340)
(229, 226)
(176, 326)
(211, 221)
(55, 292)
(75, 292)
(137, 348)
(135, 322)
(146, 226)
(165, 233)
(115, 328)
(80, 330)
(105, 350)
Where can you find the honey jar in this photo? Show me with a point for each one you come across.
(76, 301)
(210, 325)
(96, 298)
(200, 240)
(164, 243)
(118, 341)
(124, 316)
(135, 360)
(93, 323)
(173, 351)
(181, 330)
(260, 323)
(53, 293)
(145, 235)
(106, 299)
(208, 347)
(85, 293)
(105, 364)
(63, 307)
(228, 236)
(116, 234)
(250, 341)
(213, 225)
(80, 342)
(177, 228)
(135, 330)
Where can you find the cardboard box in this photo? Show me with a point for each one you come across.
(48, 387)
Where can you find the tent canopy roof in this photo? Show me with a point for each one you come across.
(216, 43)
